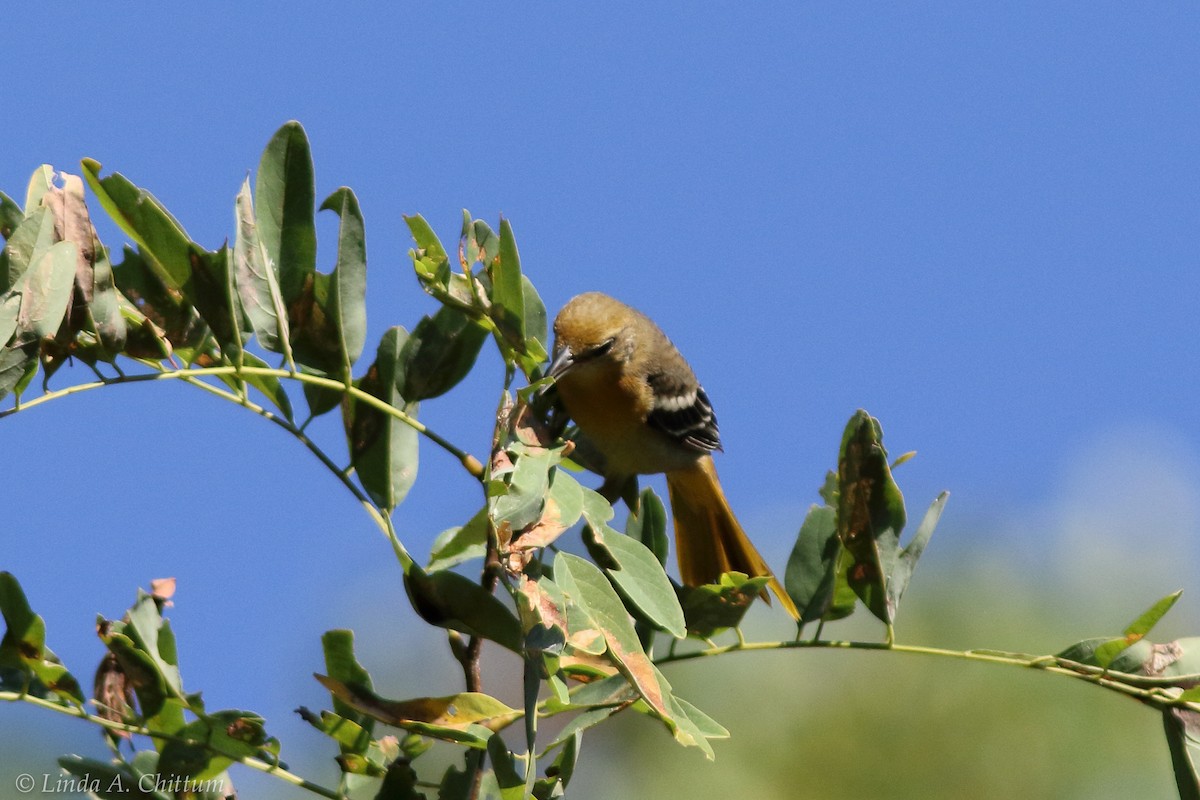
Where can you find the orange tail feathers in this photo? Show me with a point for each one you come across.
(708, 539)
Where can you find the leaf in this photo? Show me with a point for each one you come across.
(213, 292)
(383, 449)
(586, 585)
(24, 647)
(1130, 659)
(40, 182)
(105, 307)
(639, 576)
(522, 494)
(431, 716)
(342, 666)
(257, 275)
(144, 647)
(450, 600)
(46, 291)
(139, 214)
(456, 545)
(811, 574)
(907, 561)
(10, 215)
(561, 507)
(176, 321)
(1136, 631)
(439, 353)
(210, 739)
(432, 265)
(284, 200)
(30, 240)
(94, 306)
(349, 277)
(1182, 728)
(649, 524)
(870, 512)
(17, 365)
(715, 607)
(347, 733)
(504, 768)
(562, 769)
(508, 291)
(327, 317)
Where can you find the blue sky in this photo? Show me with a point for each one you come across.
(981, 222)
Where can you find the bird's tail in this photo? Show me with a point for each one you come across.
(708, 539)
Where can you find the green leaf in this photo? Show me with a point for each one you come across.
(342, 666)
(523, 491)
(429, 258)
(535, 317)
(450, 600)
(17, 365)
(40, 182)
(649, 525)
(639, 576)
(139, 214)
(508, 778)
(180, 325)
(46, 290)
(383, 449)
(562, 769)
(1129, 659)
(284, 200)
(508, 291)
(446, 717)
(1149, 618)
(456, 545)
(239, 734)
(213, 292)
(10, 215)
(144, 646)
(327, 317)
(30, 240)
(105, 306)
(586, 585)
(349, 277)
(257, 275)
(715, 607)
(907, 561)
(870, 512)
(812, 567)
(439, 353)
(23, 647)
(1182, 728)
(1136, 631)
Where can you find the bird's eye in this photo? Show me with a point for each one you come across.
(598, 350)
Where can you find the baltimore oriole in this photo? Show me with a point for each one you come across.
(638, 403)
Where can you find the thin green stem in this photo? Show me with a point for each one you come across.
(1156, 694)
(468, 461)
(252, 763)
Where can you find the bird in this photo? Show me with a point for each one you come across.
(638, 403)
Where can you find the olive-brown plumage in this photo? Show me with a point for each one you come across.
(637, 401)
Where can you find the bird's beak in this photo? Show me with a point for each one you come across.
(564, 359)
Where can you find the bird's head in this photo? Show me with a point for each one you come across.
(592, 330)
